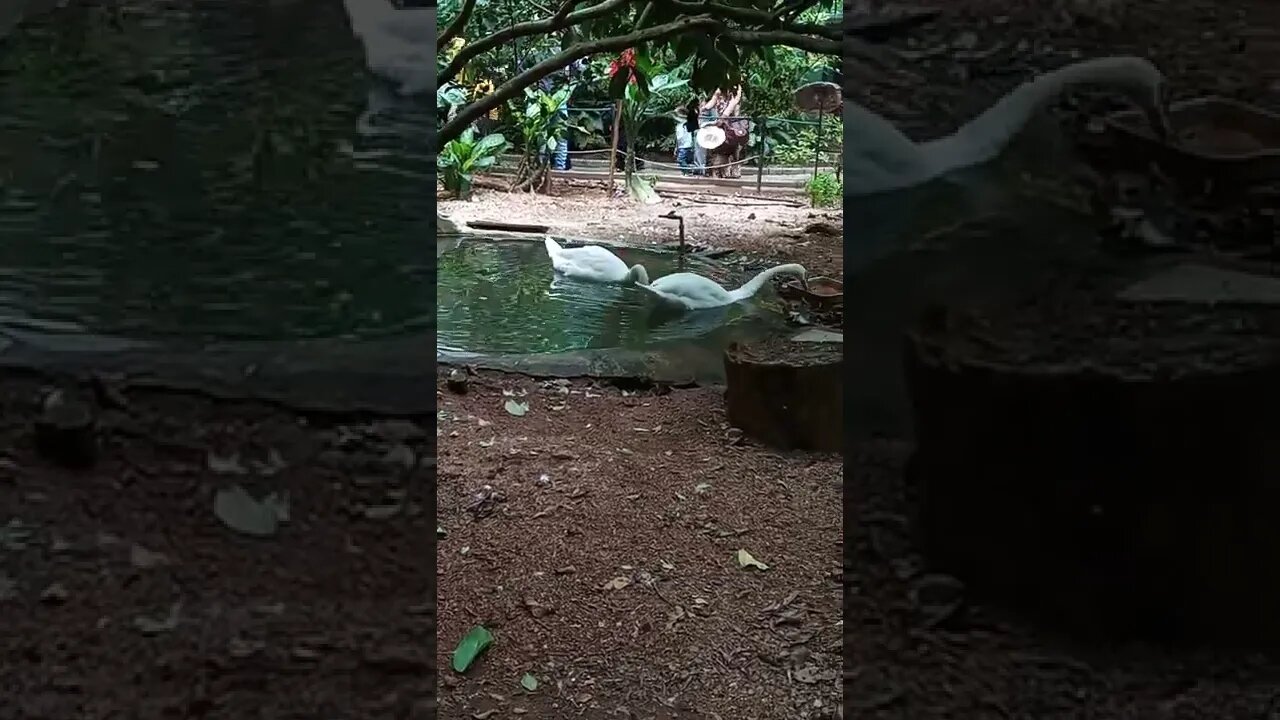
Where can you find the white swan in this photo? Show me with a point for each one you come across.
(399, 43)
(880, 158)
(593, 263)
(694, 292)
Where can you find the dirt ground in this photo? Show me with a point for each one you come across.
(980, 662)
(597, 537)
(897, 663)
(904, 662)
(776, 231)
(125, 596)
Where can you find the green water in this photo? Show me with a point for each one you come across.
(208, 170)
(501, 297)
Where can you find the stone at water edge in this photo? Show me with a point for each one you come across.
(457, 381)
(66, 431)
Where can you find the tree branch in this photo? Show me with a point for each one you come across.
(564, 10)
(457, 26)
(754, 17)
(535, 27)
(808, 43)
(517, 84)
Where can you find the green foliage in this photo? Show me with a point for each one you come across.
(795, 146)
(654, 93)
(769, 74)
(541, 122)
(824, 190)
(460, 159)
(450, 97)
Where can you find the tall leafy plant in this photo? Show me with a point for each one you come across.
(543, 121)
(460, 159)
(645, 91)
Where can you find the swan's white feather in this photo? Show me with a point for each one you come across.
(592, 263)
(399, 43)
(692, 291)
(879, 158)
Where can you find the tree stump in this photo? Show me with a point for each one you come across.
(1111, 467)
(787, 394)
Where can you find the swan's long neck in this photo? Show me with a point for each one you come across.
(365, 14)
(637, 273)
(752, 286)
(985, 136)
(553, 247)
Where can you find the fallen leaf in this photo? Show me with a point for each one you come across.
(143, 558)
(225, 465)
(746, 560)
(240, 512)
(529, 682)
(153, 626)
(382, 512)
(617, 583)
(513, 407)
(470, 646)
(676, 616)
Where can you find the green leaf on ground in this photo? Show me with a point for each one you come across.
(156, 626)
(238, 510)
(746, 560)
(470, 647)
(529, 682)
(516, 408)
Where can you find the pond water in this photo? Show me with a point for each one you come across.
(501, 297)
(210, 171)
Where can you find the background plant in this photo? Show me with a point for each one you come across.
(824, 190)
(543, 122)
(461, 158)
(718, 40)
(800, 139)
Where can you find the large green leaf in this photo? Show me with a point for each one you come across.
(476, 641)
(488, 144)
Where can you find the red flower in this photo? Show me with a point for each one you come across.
(626, 60)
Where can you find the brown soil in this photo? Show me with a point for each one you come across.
(773, 231)
(920, 660)
(123, 595)
(597, 536)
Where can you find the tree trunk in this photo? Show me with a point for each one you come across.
(787, 394)
(1090, 489)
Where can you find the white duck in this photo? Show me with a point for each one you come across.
(881, 158)
(695, 292)
(399, 43)
(593, 263)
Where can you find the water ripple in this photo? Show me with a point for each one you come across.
(503, 298)
(208, 169)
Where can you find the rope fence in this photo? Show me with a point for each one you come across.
(656, 163)
(761, 157)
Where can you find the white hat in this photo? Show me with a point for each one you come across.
(711, 137)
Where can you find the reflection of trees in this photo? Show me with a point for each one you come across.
(149, 122)
(504, 297)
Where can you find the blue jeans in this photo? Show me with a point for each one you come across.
(684, 158)
(560, 160)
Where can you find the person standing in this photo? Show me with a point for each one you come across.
(707, 114)
(736, 130)
(686, 126)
